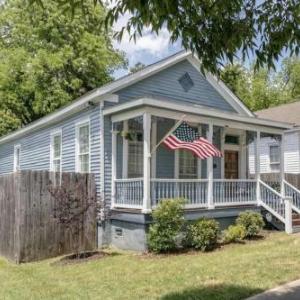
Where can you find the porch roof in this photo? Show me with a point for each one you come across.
(194, 112)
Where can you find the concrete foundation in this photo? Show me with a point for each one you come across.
(128, 229)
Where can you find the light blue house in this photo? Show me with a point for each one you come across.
(113, 131)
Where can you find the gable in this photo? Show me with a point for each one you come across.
(166, 84)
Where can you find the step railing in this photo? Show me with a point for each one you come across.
(294, 193)
(272, 201)
(234, 192)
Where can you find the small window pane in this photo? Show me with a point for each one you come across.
(84, 139)
(274, 154)
(187, 165)
(232, 139)
(56, 165)
(84, 163)
(57, 146)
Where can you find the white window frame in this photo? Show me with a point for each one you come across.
(55, 133)
(16, 149)
(82, 123)
(274, 162)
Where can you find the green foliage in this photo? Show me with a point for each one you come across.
(168, 220)
(49, 57)
(263, 88)
(234, 233)
(217, 30)
(203, 235)
(252, 222)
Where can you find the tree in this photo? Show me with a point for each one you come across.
(217, 30)
(260, 89)
(49, 57)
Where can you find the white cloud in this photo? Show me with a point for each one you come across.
(148, 48)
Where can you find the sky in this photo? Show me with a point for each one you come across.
(147, 49)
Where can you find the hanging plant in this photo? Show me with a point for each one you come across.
(128, 135)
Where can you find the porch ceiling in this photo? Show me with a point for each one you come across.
(194, 113)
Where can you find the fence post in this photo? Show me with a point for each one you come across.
(288, 215)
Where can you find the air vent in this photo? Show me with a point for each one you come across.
(119, 232)
(186, 82)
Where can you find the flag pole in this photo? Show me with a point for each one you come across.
(170, 131)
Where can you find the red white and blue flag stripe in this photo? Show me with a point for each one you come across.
(187, 138)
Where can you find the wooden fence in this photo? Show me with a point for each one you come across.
(28, 229)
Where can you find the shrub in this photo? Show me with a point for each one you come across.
(203, 235)
(252, 222)
(168, 222)
(234, 233)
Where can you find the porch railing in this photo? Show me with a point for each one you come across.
(193, 191)
(129, 193)
(232, 192)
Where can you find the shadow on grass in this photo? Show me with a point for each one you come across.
(213, 292)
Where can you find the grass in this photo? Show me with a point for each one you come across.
(233, 272)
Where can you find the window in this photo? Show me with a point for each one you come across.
(135, 149)
(274, 154)
(232, 140)
(83, 147)
(186, 82)
(56, 152)
(187, 165)
(17, 158)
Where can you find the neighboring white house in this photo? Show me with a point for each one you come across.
(270, 147)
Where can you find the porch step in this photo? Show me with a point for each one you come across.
(296, 229)
(295, 219)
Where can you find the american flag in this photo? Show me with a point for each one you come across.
(185, 137)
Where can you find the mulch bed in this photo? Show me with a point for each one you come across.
(80, 258)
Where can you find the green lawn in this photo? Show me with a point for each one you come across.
(233, 272)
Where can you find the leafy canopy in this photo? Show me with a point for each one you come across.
(49, 57)
(215, 30)
(260, 89)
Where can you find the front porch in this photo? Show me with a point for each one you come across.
(144, 171)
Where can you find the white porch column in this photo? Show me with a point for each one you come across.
(257, 166)
(288, 215)
(210, 173)
(147, 162)
(113, 166)
(282, 166)
(125, 151)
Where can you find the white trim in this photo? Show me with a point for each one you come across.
(78, 125)
(125, 151)
(147, 162)
(113, 166)
(53, 134)
(222, 89)
(193, 109)
(102, 158)
(16, 148)
(154, 143)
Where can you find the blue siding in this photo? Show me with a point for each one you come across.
(165, 85)
(165, 158)
(35, 147)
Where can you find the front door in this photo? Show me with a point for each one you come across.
(231, 161)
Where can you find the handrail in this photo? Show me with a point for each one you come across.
(271, 189)
(172, 180)
(234, 180)
(128, 179)
(291, 186)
